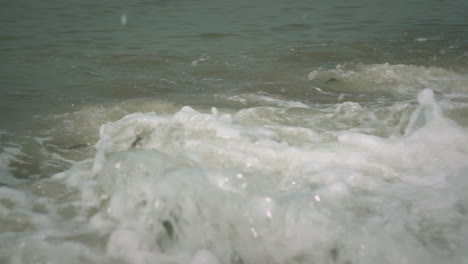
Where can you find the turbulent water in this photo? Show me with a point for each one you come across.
(210, 132)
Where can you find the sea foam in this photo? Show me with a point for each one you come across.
(237, 187)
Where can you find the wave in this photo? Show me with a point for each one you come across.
(396, 78)
(219, 187)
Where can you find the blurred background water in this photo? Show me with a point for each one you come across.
(59, 53)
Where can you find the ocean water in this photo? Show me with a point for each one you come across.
(211, 132)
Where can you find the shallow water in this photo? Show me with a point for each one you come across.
(233, 132)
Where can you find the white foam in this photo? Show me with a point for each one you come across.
(265, 184)
(427, 111)
(393, 78)
(265, 100)
(204, 257)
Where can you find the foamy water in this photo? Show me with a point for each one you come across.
(285, 183)
(211, 132)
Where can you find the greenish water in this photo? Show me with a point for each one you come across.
(68, 52)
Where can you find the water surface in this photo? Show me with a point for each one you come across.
(233, 131)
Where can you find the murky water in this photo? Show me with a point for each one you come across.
(233, 132)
